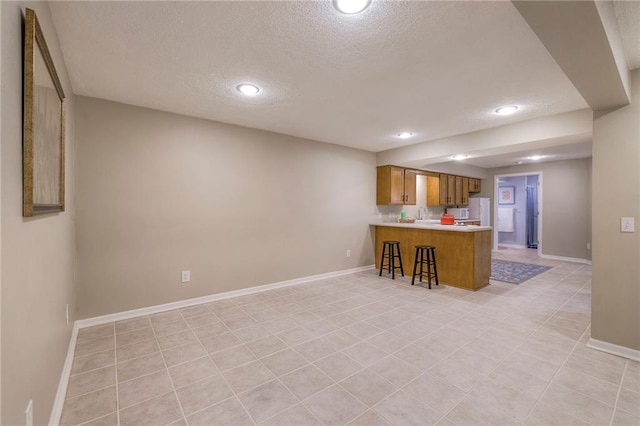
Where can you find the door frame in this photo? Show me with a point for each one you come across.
(496, 178)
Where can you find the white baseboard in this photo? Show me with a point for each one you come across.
(613, 349)
(566, 259)
(519, 246)
(58, 402)
(118, 316)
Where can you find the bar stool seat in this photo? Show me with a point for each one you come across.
(391, 252)
(425, 256)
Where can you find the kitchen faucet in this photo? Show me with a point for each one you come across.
(422, 215)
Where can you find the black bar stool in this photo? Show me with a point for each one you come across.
(391, 252)
(425, 255)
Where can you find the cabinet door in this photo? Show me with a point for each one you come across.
(444, 190)
(397, 185)
(458, 194)
(409, 188)
(474, 185)
(433, 191)
(465, 191)
(393, 188)
(451, 190)
(390, 185)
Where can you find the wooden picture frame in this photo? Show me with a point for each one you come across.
(43, 121)
(506, 195)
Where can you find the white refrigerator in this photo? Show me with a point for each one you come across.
(480, 208)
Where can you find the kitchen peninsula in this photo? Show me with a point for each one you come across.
(463, 253)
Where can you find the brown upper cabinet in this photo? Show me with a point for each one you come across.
(448, 190)
(410, 187)
(396, 185)
(474, 185)
(433, 191)
(465, 191)
(459, 199)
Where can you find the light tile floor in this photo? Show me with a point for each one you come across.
(361, 350)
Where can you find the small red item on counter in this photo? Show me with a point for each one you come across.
(447, 219)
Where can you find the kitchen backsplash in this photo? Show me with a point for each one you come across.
(392, 213)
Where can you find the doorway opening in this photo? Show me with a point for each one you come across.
(517, 211)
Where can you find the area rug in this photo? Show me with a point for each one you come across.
(514, 272)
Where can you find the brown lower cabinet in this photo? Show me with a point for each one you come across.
(463, 258)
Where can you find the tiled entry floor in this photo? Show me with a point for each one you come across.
(360, 349)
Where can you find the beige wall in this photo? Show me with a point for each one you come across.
(616, 192)
(159, 193)
(566, 204)
(37, 255)
(1, 90)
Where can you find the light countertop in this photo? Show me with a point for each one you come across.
(431, 224)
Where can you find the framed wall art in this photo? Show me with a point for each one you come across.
(506, 195)
(43, 121)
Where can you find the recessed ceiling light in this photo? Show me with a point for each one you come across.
(519, 162)
(506, 110)
(351, 6)
(459, 157)
(536, 157)
(248, 89)
(404, 135)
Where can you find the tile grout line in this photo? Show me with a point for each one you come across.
(164, 361)
(399, 388)
(233, 392)
(279, 381)
(153, 330)
(499, 364)
(555, 374)
(615, 403)
(345, 296)
(312, 363)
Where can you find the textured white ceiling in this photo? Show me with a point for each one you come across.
(433, 68)
(628, 16)
(557, 152)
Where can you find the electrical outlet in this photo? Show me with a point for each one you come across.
(627, 224)
(29, 414)
(348, 253)
(186, 276)
(67, 313)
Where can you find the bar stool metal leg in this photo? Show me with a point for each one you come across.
(392, 262)
(429, 267)
(435, 268)
(418, 260)
(384, 248)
